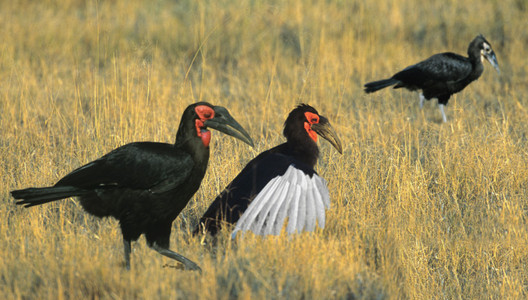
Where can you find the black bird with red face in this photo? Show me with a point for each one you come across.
(145, 185)
(279, 184)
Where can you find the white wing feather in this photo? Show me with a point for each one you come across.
(263, 215)
(323, 190)
(254, 208)
(286, 211)
(311, 213)
(301, 215)
(272, 219)
(296, 196)
(319, 207)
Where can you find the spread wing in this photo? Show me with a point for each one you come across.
(295, 196)
(272, 180)
(150, 166)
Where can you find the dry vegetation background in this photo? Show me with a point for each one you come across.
(420, 209)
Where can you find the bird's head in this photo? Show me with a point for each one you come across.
(486, 52)
(204, 116)
(305, 123)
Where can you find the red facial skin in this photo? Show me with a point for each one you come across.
(312, 119)
(204, 113)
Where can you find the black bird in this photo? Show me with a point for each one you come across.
(279, 183)
(442, 75)
(145, 185)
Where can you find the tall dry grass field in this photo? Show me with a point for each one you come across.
(420, 209)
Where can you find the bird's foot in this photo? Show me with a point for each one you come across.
(189, 265)
(182, 266)
(178, 266)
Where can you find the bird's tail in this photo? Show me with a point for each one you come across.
(36, 196)
(380, 84)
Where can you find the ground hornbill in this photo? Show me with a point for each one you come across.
(442, 75)
(278, 184)
(145, 185)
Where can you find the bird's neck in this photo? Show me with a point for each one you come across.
(187, 140)
(304, 150)
(477, 66)
(474, 55)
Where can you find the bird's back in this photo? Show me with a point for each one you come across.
(137, 176)
(436, 71)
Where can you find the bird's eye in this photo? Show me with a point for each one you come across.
(204, 112)
(486, 47)
(311, 117)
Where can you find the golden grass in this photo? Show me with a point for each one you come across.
(420, 209)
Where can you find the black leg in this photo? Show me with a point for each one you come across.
(128, 249)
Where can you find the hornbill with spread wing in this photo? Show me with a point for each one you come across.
(145, 185)
(442, 75)
(279, 184)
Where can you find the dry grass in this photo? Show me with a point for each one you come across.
(420, 209)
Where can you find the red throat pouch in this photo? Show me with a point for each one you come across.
(311, 133)
(206, 137)
(204, 134)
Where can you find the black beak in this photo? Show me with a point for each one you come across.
(224, 122)
(492, 60)
(326, 131)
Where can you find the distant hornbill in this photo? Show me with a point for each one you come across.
(278, 184)
(145, 185)
(442, 75)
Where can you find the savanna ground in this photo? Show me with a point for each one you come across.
(420, 209)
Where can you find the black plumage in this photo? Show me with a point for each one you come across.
(441, 75)
(267, 177)
(145, 185)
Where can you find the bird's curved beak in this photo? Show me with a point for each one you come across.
(492, 60)
(224, 122)
(326, 131)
